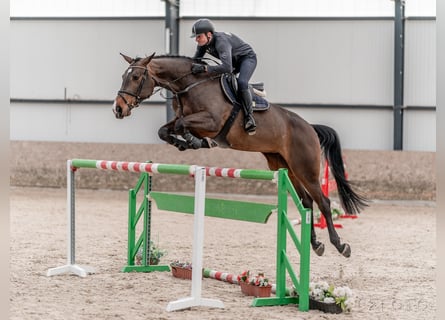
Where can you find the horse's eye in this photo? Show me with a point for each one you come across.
(134, 77)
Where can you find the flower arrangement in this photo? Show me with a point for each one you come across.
(259, 280)
(244, 276)
(181, 270)
(257, 286)
(183, 265)
(154, 254)
(328, 294)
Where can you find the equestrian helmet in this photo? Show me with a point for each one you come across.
(202, 26)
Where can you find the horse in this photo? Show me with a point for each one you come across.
(284, 138)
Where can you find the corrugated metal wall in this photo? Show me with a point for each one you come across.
(420, 61)
(79, 56)
(227, 8)
(302, 61)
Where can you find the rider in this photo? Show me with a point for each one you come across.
(236, 56)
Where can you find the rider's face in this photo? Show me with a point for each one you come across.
(202, 39)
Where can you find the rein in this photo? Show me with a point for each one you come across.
(190, 87)
(195, 84)
(176, 95)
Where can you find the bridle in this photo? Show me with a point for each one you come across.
(168, 85)
(136, 95)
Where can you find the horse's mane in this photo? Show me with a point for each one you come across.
(172, 56)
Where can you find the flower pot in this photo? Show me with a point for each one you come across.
(262, 292)
(182, 273)
(256, 291)
(246, 288)
(325, 307)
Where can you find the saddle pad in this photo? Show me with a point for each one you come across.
(258, 103)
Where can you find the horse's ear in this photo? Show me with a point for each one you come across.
(127, 58)
(147, 60)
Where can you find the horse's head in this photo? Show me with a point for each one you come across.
(137, 85)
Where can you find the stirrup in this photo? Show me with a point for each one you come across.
(251, 130)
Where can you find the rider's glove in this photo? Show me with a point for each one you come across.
(198, 68)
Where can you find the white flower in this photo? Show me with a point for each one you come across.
(349, 303)
(317, 293)
(324, 286)
(322, 291)
(339, 292)
(329, 300)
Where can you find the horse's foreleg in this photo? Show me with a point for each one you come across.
(166, 133)
(198, 122)
(197, 143)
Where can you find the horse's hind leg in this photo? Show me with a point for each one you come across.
(308, 203)
(307, 169)
(324, 204)
(275, 161)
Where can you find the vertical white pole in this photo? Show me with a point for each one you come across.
(71, 266)
(198, 232)
(198, 243)
(70, 214)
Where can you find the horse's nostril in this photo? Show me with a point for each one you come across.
(118, 109)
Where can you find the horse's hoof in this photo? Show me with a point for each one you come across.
(346, 252)
(181, 147)
(319, 250)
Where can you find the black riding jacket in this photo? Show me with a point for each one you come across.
(227, 47)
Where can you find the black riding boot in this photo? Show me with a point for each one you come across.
(246, 102)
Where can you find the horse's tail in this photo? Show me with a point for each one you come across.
(351, 202)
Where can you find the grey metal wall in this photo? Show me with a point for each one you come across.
(82, 56)
(68, 71)
(420, 85)
(307, 64)
(318, 61)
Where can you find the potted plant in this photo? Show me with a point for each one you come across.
(154, 254)
(330, 299)
(257, 286)
(181, 270)
(243, 280)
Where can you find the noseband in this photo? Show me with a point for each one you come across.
(136, 95)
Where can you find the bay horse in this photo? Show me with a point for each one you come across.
(282, 136)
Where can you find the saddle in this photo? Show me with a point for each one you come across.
(229, 85)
